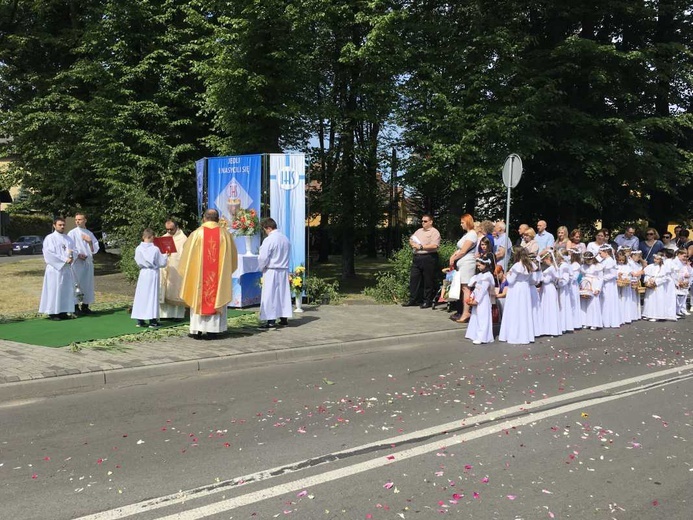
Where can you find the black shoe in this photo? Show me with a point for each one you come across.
(153, 324)
(54, 317)
(85, 309)
(195, 335)
(78, 311)
(283, 322)
(63, 316)
(141, 323)
(426, 305)
(269, 325)
(410, 303)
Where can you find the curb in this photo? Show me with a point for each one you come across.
(68, 384)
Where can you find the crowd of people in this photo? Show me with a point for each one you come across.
(183, 272)
(547, 286)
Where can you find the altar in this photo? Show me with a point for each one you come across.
(246, 282)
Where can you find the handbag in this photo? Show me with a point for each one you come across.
(495, 313)
(455, 288)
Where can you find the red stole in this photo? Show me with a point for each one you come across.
(210, 270)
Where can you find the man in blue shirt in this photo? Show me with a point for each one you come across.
(543, 238)
(628, 239)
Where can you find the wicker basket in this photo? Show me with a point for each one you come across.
(586, 291)
(623, 282)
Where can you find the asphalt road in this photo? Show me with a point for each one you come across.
(589, 425)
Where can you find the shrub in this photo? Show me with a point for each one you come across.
(393, 286)
(19, 225)
(320, 291)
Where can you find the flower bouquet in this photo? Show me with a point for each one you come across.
(297, 280)
(245, 222)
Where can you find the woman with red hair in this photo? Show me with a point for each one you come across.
(464, 260)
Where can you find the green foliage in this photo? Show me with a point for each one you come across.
(320, 291)
(19, 225)
(393, 285)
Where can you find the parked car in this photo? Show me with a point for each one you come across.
(28, 245)
(5, 246)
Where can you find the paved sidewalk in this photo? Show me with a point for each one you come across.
(29, 370)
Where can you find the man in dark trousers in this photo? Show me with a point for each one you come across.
(422, 277)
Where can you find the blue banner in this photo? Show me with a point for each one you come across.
(233, 183)
(288, 201)
(200, 172)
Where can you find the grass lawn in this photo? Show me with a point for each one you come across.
(23, 280)
(366, 268)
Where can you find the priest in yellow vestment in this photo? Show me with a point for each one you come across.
(209, 258)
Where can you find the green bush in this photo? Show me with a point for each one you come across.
(393, 286)
(20, 225)
(320, 291)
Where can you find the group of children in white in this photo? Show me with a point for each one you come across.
(556, 293)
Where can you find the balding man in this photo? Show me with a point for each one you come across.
(503, 246)
(521, 230)
(544, 239)
(209, 257)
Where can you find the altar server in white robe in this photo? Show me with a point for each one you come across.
(480, 328)
(86, 246)
(274, 257)
(150, 260)
(58, 293)
(171, 305)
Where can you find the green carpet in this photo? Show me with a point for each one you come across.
(99, 325)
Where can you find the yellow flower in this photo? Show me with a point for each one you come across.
(300, 269)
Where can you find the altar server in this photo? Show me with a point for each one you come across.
(58, 293)
(149, 259)
(275, 254)
(171, 305)
(86, 246)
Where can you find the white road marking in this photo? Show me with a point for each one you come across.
(380, 461)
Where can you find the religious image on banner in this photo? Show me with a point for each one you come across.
(232, 198)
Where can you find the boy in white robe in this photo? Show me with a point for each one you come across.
(58, 293)
(149, 259)
(682, 274)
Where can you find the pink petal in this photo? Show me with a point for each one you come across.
(457, 496)
(484, 480)
(302, 493)
(512, 497)
(388, 485)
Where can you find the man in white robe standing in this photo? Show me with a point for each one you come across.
(171, 305)
(86, 246)
(58, 293)
(275, 253)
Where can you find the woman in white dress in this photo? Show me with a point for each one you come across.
(549, 319)
(465, 262)
(480, 328)
(517, 325)
(611, 310)
(590, 287)
(534, 288)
